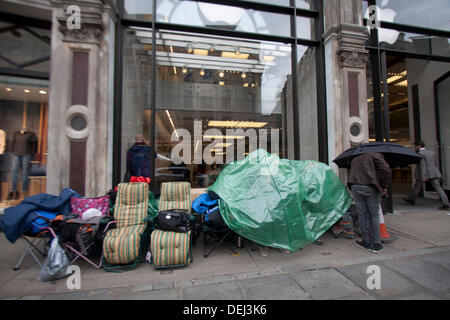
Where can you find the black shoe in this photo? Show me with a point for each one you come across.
(363, 244)
(409, 201)
(444, 208)
(377, 247)
(10, 196)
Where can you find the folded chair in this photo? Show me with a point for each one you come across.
(172, 249)
(125, 245)
(37, 238)
(217, 232)
(82, 238)
(35, 246)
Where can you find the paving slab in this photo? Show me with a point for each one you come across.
(277, 287)
(216, 291)
(327, 284)
(391, 282)
(428, 275)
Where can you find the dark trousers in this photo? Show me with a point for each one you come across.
(367, 202)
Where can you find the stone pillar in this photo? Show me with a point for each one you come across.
(81, 99)
(345, 63)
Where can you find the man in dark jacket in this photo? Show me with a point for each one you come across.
(368, 179)
(138, 158)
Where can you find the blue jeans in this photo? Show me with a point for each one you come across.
(367, 202)
(24, 162)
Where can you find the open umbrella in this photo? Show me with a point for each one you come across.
(395, 154)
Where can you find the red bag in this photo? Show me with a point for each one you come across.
(140, 179)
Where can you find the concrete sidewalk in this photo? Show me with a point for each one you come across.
(415, 266)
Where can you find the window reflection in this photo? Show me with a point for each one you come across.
(223, 17)
(429, 14)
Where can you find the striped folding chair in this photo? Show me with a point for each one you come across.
(126, 244)
(172, 249)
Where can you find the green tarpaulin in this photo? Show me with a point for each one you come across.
(280, 203)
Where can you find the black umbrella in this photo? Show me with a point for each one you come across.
(395, 154)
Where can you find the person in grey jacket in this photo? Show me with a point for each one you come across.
(428, 169)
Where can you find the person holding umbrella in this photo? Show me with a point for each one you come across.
(368, 180)
(427, 170)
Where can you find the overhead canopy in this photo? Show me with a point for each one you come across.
(280, 203)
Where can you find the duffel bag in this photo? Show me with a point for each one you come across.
(176, 220)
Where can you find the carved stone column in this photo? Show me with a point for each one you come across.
(81, 99)
(345, 63)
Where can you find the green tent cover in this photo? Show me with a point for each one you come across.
(280, 203)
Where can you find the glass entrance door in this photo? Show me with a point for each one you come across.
(442, 98)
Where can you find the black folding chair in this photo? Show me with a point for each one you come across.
(218, 236)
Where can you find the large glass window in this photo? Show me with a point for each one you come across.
(203, 14)
(138, 9)
(23, 137)
(217, 99)
(23, 110)
(432, 14)
(25, 48)
(415, 43)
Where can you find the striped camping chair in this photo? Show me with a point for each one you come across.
(122, 245)
(171, 249)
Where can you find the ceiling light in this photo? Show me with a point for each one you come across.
(236, 124)
(26, 91)
(171, 122)
(403, 83)
(245, 84)
(223, 145)
(243, 75)
(189, 48)
(202, 52)
(268, 58)
(42, 92)
(222, 137)
(228, 54)
(202, 72)
(8, 89)
(184, 70)
(237, 51)
(211, 48)
(221, 83)
(221, 74)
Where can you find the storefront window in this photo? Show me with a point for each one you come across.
(306, 71)
(23, 137)
(415, 43)
(217, 100)
(203, 14)
(138, 9)
(432, 14)
(23, 110)
(24, 48)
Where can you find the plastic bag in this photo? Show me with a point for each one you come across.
(56, 265)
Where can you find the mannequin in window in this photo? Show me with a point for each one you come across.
(24, 146)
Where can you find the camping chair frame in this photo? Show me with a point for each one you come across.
(71, 250)
(215, 235)
(32, 244)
